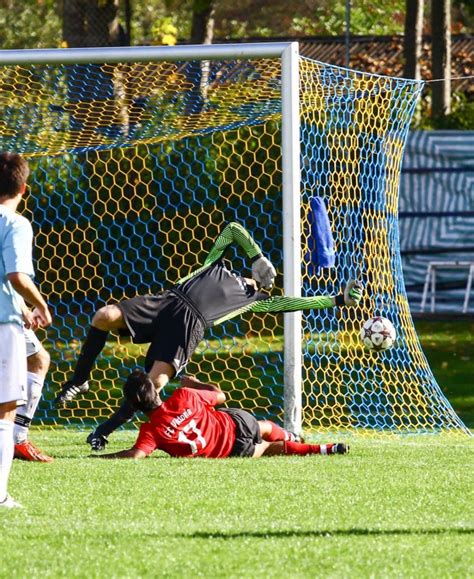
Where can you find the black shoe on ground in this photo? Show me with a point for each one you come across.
(97, 441)
(340, 448)
(69, 391)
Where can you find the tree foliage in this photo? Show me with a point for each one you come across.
(30, 24)
(38, 23)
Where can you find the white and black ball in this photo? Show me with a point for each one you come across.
(378, 334)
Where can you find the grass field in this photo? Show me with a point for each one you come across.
(393, 507)
(399, 508)
(448, 345)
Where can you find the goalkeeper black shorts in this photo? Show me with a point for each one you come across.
(247, 432)
(171, 327)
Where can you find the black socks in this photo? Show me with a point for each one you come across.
(91, 348)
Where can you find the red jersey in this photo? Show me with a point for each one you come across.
(187, 424)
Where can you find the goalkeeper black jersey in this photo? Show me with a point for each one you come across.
(215, 292)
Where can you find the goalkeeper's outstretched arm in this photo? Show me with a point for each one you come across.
(350, 297)
(233, 233)
(262, 270)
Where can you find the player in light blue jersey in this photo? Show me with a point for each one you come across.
(16, 272)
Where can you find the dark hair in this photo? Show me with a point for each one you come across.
(140, 391)
(14, 172)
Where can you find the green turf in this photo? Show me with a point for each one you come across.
(391, 508)
(448, 347)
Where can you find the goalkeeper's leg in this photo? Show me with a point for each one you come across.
(106, 319)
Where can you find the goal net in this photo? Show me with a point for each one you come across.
(136, 168)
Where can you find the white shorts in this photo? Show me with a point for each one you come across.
(33, 345)
(12, 364)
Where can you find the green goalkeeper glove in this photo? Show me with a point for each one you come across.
(353, 292)
(263, 272)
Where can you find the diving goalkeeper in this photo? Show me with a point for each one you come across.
(174, 321)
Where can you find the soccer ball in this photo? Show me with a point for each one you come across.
(378, 334)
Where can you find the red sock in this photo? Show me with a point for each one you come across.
(278, 434)
(300, 448)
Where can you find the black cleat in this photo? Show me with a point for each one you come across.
(69, 391)
(97, 441)
(340, 448)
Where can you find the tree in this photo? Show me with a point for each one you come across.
(413, 37)
(273, 18)
(441, 57)
(202, 28)
(30, 24)
(202, 32)
(92, 23)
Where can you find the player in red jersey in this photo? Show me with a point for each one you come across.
(188, 425)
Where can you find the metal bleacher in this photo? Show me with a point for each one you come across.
(429, 288)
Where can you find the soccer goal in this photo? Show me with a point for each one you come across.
(140, 156)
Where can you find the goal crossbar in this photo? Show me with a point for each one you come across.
(146, 53)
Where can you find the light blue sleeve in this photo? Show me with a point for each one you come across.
(18, 247)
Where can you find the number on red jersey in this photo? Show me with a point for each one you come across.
(192, 435)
